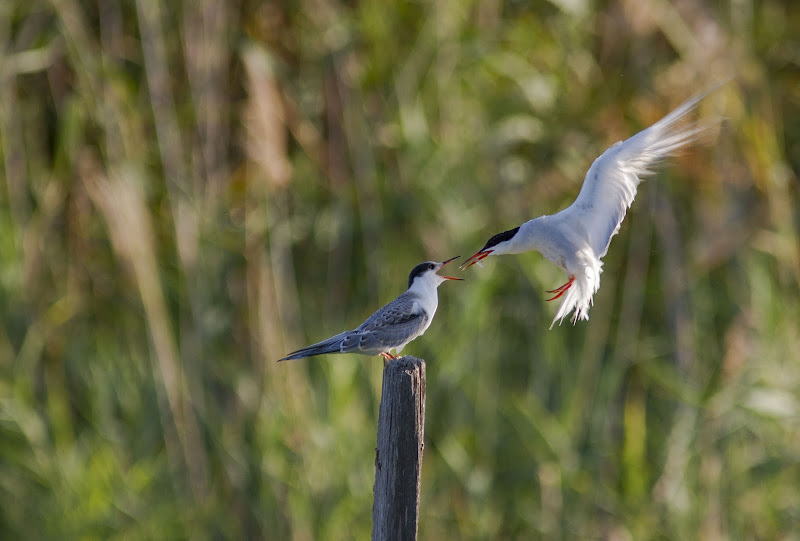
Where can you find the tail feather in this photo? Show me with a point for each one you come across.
(331, 345)
(578, 298)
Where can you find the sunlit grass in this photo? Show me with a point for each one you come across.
(191, 191)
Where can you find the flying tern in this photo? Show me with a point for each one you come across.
(394, 325)
(576, 238)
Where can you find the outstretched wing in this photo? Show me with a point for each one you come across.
(393, 326)
(610, 184)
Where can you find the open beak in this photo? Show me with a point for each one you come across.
(443, 263)
(476, 258)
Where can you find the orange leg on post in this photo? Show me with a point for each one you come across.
(387, 357)
(560, 290)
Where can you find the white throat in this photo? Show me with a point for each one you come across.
(424, 288)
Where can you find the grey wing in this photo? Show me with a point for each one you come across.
(331, 345)
(610, 184)
(391, 327)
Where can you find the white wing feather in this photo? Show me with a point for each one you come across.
(610, 184)
(608, 191)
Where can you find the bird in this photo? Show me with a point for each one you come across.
(393, 326)
(577, 237)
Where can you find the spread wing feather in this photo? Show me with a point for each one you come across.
(607, 192)
(610, 184)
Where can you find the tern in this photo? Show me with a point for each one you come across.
(394, 325)
(577, 238)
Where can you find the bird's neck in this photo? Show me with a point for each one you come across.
(426, 293)
(529, 237)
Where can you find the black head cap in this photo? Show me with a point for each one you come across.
(500, 237)
(419, 270)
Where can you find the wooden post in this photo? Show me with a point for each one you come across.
(398, 457)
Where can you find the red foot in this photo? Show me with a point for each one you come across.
(388, 356)
(561, 289)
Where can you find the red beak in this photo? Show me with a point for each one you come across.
(476, 258)
(445, 263)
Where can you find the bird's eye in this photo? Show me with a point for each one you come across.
(431, 266)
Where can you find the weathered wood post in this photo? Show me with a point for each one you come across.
(398, 457)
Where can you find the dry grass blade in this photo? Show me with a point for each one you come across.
(170, 142)
(296, 159)
(122, 205)
(265, 120)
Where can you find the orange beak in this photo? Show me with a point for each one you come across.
(475, 258)
(445, 263)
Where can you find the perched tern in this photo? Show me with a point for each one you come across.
(576, 238)
(394, 325)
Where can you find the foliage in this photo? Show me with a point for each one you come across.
(191, 190)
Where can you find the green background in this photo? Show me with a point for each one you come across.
(190, 190)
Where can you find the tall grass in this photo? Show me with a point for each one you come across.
(191, 190)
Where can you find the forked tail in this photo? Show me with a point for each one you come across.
(331, 345)
(577, 294)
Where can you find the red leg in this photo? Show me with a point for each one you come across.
(560, 290)
(387, 357)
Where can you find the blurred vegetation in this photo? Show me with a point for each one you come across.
(192, 189)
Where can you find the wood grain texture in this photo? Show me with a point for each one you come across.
(398, 457)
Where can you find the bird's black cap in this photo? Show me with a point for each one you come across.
(419, 269)
(500, 237)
